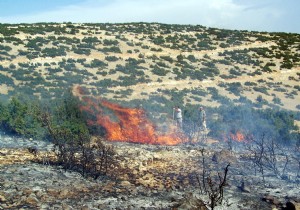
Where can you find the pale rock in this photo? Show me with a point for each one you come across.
(190, 202)
(125, 184)
(66, 207)
(245, 188)
(39, 194)
(32, 200)
(147, 180)
(44, 197)
(27, 191)
(52, 192)
(2, 198)
(64, 193)
(85, 207)
(157, 156)
(224, 156)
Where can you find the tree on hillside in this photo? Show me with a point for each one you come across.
(19, 117)
(68, 131)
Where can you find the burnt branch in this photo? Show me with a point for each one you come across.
(216, 189)
(203, 185)
(74, 151)
(269, 156)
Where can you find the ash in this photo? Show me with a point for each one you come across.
(153, 177)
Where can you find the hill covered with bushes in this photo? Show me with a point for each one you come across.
(189, 64)
(154, 65)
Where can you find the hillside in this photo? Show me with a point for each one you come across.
(151, 62)
(102, 134)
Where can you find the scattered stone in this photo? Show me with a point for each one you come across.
(65, 193)
(125, 184)
(272, 200)
(32, 200)
(224, 156)
(66, 207)
(2, 199)
(190, 202)
(157, 178)
(245, 188)
(85, 207)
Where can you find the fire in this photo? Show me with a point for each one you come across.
(238, 136)
(131, 124)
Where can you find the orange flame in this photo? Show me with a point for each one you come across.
(132, 125)
(238, 136)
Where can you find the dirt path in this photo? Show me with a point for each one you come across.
(190, 84)
(169, 84)
(165, 52)
(198, 54)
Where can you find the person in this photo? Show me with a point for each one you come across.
(202, 119)
(177, 115)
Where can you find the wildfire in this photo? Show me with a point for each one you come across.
(131, 124)
(238, 136)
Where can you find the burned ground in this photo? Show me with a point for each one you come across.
(150, 177)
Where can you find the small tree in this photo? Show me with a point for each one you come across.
(216, 188)
(18, 116)
(72, 141)
(266, 156)
(212, 186)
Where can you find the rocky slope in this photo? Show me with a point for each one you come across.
(153, 64)
(156, 177)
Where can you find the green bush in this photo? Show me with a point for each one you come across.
(159, 71)
(53, 52)
(19, 117)
(277, 100)
(98, 63)
(286, 65)
(235, 72)
(6, 80)
(107, 42)
(71, 137)
(191, 58)
(235, 88)
(111, 58)
(250, 83)
(261, 90)
(167, 58)
(113, 49)
(81, 51)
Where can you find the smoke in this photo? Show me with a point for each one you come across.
(271, 123)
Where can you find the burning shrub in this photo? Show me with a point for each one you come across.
(127, 124)
(276, 124)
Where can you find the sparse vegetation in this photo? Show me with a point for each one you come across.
(76, 55)
(164, 61)
(71, 138)
(247, 82)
